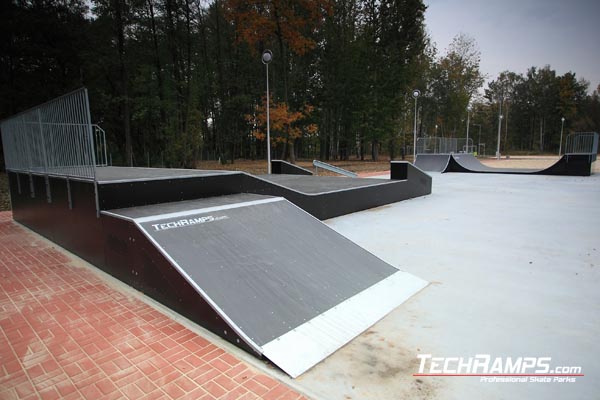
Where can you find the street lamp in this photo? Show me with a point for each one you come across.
(562, 125)
(499, 126)
(267, 57)
(468, 122)
(416, 93)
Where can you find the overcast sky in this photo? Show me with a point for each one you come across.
(517, 34)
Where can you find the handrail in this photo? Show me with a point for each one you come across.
(100, 145)
(320, 164)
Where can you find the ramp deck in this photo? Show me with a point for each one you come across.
(322, 184)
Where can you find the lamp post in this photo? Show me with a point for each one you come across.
(562, 125)
(468, 123)
(267, 57)
(416, 93)
(499, 126)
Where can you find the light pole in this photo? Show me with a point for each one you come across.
(562, 125)
(416, 93)
(499, 126)
(267, 57)
(468, 123)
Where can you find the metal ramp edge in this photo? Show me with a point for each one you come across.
(305, 346)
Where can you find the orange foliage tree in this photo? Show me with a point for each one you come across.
(289, 25)
(286, 125)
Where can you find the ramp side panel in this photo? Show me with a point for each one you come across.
(284, 167)
(375, 193)
(269, 267)
(133, 259)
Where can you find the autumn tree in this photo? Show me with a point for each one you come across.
(285, 124)
(288, 25)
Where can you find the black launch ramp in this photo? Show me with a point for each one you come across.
(290, 287)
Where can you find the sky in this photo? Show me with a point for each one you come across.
(515, 35)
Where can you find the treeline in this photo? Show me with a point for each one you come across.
(535, 107)
(175, 81)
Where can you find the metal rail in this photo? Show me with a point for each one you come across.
(53, 139)
(100, 146)
(320, 164)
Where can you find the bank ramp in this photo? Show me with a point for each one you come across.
(245, 257)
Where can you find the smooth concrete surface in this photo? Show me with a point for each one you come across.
(515, 272)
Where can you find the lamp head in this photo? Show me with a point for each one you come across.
(267, 56)
(416, 93)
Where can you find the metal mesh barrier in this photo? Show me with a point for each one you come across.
(582, 143)
(55, 138)
(441, 145)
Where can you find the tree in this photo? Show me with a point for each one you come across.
(456, 80)
(286, 24)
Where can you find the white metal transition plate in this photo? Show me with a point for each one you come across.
(300, 349)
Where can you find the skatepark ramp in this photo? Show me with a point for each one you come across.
(244, 256)
(240, 263)
(567, 165)
(432, 162)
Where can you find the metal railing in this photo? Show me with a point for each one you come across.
(441, 145)
(320, 164)
(55, 138)
(582, 143)
(100, 146)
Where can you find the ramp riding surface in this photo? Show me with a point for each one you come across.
(432, 162)
(246, 257)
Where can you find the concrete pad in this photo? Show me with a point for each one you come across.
(514, 266)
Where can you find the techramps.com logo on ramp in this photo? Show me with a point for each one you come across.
(180, 223)
(498, 369)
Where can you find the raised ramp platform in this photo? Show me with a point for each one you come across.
(322, 196)
(246, 258)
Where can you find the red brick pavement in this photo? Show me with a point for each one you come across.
(65, 333)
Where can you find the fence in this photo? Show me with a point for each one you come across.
(55, 138)
(582, 143)
(441, 145)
